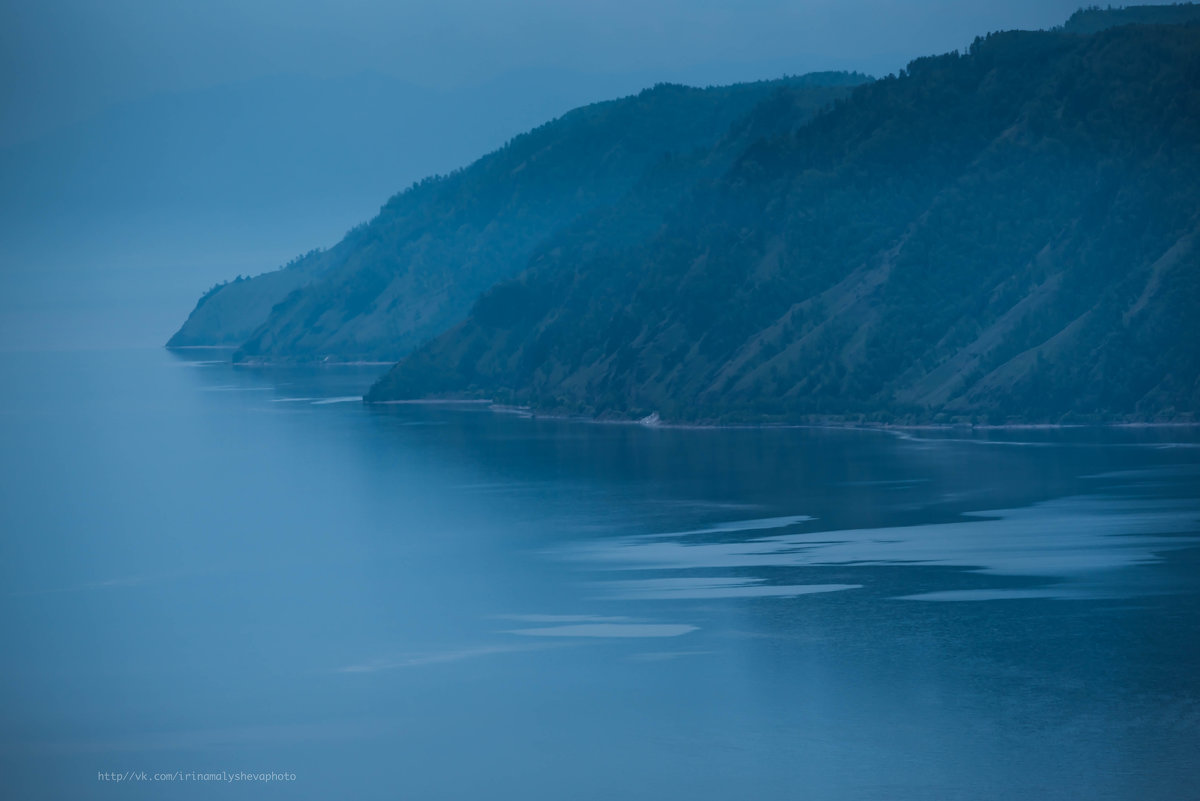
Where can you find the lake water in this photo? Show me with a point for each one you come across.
(212, 569)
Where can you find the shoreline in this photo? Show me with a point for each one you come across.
(264, 363)
(652, 421)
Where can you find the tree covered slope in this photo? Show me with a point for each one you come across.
(230, 312)
(1094, 19)
(1006, 234)
(418, 266)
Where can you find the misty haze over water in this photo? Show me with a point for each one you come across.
(147, 154)
(210, 568)
(243, 580)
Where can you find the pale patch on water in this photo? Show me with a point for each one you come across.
(1009, 443)
(897, 482)
(236, 737)
(434, 658)
(908, 436)
(737, 525)
(342, 399)
(1169, 471)
(498, 486)
(563, 618)
(236, 388)
(703, 504)
(293, 400)
(1064, 537)
(1053, 593)
(665, 656)
(107, 584)
(666, 589)
(621, 630)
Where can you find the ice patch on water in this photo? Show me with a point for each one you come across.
(665, 656)
(614, 630)
(897, 482)
(1055, 593)
(433, 658)
(758, 524)
(563, 618)
(236, 388)
(1169, 471)
(1064, 537)
(497, 486)
(909, 436)
(690, 588)
(729, 506)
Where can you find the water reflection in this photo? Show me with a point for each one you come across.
(216, 566)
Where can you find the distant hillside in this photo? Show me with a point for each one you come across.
(231, 311)
(1005, 234)
(115, 223)
(419, 265)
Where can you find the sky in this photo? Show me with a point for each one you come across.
(147, 102)
(61, 60)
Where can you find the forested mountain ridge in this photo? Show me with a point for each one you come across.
(1094, 19)
(1008, 234)
(416, 268)
(230, 312)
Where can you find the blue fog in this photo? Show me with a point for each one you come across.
(206, 568)
(209, 568)
(150, 150)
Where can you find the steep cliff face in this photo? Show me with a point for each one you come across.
(1006, 234)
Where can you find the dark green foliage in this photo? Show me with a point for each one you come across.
(1006, 234)
(230, 311)
(1095, 19)
(417, 267)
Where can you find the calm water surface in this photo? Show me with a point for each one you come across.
(213, 569)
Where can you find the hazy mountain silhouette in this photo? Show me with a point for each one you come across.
(110, 227)
(1007, 233)
(416, 268)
